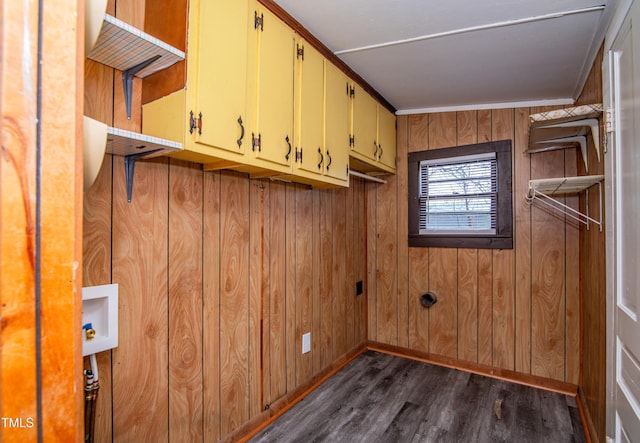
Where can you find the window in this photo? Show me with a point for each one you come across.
(461, 197)
(458, 195)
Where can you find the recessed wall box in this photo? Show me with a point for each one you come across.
(100, 315)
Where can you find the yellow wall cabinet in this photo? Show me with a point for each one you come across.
(386, 138)
(373, 134)
(364, 115)
(270, 87)
(321, 119)
(209, 116)
(261, 100)
(236, 111)
(219, 92)
(336, 123)
(309, 96)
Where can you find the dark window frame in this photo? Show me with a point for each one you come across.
(503, 238)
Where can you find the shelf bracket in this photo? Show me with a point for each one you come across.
(565, 128)
(129, 166)
(580, 139)
(568, 211)
(127, 81)
(592, 123)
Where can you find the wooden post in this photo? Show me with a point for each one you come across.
(41, 212)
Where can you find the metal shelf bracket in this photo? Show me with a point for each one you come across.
(129, 166)
(127, 81)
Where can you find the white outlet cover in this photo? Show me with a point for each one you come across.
(100, 308)
(306, 342)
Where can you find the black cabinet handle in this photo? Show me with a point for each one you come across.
(241, 131)
(375, 152)
(289, 151)
(330, 159)
(321, 158)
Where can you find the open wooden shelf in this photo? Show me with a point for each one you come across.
(123, 46)
(125, 143)
(566, 128)
(541, 190)
(99, 139)
(133, 146)
(132, 51)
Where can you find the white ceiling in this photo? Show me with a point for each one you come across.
(430, 55)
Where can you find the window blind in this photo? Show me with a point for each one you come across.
(458, 195)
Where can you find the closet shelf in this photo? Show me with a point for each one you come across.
(563, 185)
(98, 139)
(133, 146)
(126, 143)
(566, 128)
(132, 51)
(541, 190)
(123, 46)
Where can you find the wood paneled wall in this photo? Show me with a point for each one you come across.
(219, 276)
(514, 309)
(593, 285)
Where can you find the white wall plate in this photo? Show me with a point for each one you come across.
(100, 310)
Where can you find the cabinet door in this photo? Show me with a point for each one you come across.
(386, 137)
(274, 86)
(221, 83)
(364, 124)
(308, 109)
(336, 123)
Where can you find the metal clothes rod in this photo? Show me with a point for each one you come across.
(567, 210)
(366, 177)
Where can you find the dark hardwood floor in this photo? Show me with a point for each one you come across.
(383, 398)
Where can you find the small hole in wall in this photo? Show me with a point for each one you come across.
(429, 299)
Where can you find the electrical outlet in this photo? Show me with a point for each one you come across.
(306, 342)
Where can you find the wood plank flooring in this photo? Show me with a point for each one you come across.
(383, 398)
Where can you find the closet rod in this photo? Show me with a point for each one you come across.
(366, 177)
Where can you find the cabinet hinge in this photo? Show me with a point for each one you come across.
(300, 51)
(299, 155)
(195, 123)
(256, 142)
(352, 140)
(609, 120)
(352, 91)
(258, 22)
(609, 126)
